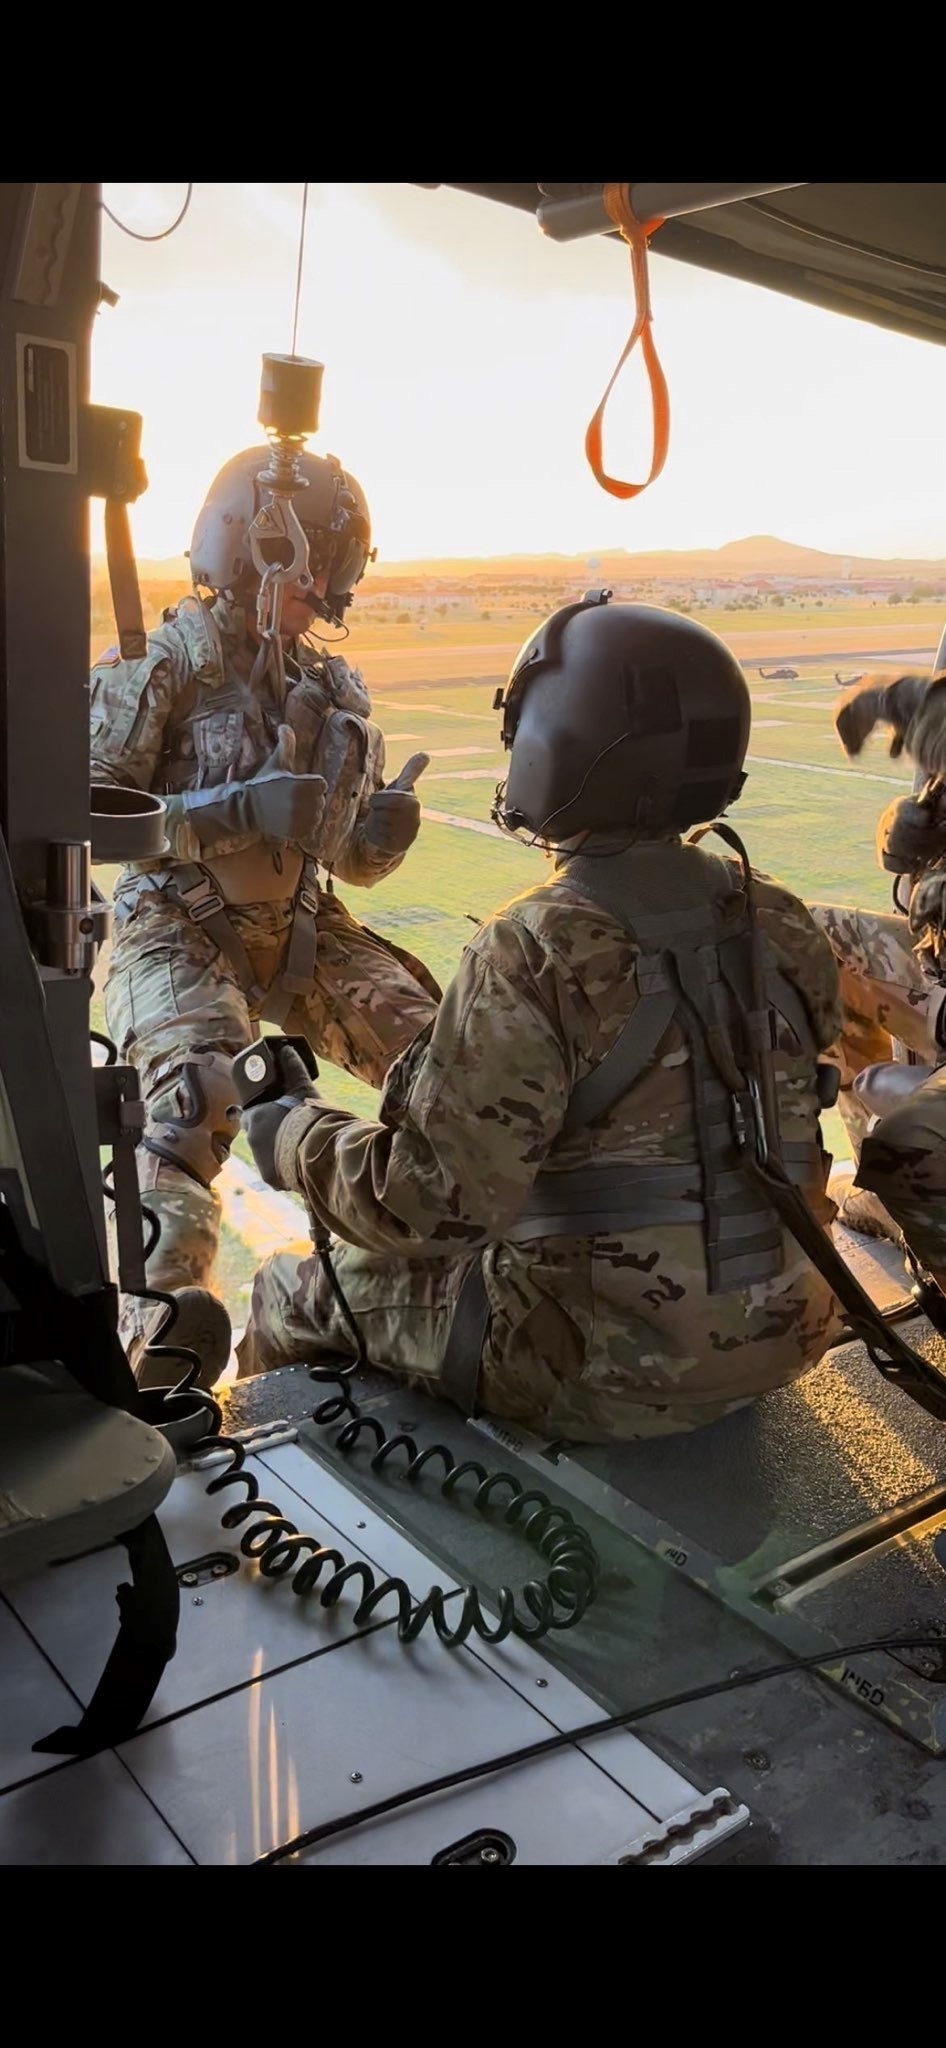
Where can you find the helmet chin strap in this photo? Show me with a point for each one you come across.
(322, 608)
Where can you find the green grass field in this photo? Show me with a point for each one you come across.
(808, 815)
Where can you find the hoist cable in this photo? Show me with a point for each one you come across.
(302, 228)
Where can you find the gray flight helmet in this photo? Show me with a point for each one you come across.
(333, 511)
(621, 717)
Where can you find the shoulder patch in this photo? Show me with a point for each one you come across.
(110, 659)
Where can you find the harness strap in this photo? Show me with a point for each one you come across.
(612, 1199)
(296, 977)
(195, 890)
(615, 1074)
(197, 893)
(123, 578)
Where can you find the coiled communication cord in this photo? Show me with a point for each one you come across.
(282, 1550)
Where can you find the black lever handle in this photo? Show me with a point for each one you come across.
(258, 1070)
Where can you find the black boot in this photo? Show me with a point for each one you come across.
(202, 1325)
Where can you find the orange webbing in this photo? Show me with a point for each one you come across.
(617, 199)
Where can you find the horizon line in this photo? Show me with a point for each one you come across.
(587, 557)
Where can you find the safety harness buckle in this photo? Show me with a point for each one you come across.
(202, 901)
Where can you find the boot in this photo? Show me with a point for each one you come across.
(864, 1212)
(202, 1326)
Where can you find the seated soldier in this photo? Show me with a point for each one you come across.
(893, 986)
(553, 1215)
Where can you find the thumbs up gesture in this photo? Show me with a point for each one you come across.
(394, 812)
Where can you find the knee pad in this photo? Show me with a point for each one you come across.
(193, 1116)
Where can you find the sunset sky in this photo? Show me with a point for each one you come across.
(464, 357)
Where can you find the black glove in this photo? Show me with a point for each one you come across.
(262, 1121)
(274, 806)
(394, 812)
(872, 700)
(911, 834)
(928, 915)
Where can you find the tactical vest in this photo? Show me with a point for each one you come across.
(231, 729)
(705, 966)
(229, 733)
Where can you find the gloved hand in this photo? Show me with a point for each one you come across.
(911, 833)
(872, 700)
(394, 813)
(262, 1121)
(279, 807)
(928, 906)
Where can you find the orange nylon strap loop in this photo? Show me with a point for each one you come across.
(617, 199)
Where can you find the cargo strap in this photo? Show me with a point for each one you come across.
(123, 578)
(147, 1638)
(636, 234)
(195, 889)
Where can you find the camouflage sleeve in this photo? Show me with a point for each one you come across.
(359, 862)
(804, 956)
(467, 1115)
(130, 704)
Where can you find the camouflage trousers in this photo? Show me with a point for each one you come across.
(404, 1311)
(176, 1010)
(888, 994)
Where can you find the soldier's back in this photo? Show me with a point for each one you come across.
(622, 1333)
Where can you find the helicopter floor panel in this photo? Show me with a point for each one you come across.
(277, 1714)
(34, 1700)
(820, 1512)
(90, 1813)
(825, 1776)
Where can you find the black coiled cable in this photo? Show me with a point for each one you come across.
(280, 1548)
(172, 1403)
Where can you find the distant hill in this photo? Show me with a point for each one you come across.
(760, 554)
(757, 555)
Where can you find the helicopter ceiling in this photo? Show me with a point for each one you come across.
(874, 251)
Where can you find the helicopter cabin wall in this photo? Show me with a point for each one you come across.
(49, 248)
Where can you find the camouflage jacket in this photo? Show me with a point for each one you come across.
(189, 715)
(475, 1107)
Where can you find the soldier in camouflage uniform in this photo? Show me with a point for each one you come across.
(893, 986)
(274, 779)
(549, 1215)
